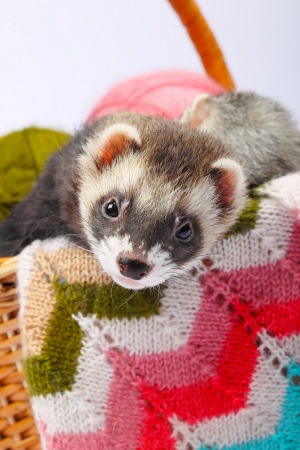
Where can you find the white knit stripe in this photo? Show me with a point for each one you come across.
(266, 244)
(24, 273)
(83, 409)
(43, 440)
(291, 346)
(257, 421)
(160, 333)
(54, 245)
(285, 189)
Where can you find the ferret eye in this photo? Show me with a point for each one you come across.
(111, 208)
(185, 233)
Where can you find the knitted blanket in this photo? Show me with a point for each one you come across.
(209, 362)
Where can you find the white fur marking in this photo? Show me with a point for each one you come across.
(118, 128)
(233, 166)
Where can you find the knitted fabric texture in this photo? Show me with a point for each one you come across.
(210, 362)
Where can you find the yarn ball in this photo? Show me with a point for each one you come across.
(164, 93)
(23, 156)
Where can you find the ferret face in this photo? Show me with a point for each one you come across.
(154, 198)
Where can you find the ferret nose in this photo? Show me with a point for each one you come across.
(133, 268)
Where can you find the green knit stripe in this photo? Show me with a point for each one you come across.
(55, 369)
(248, 218)
(110, 301)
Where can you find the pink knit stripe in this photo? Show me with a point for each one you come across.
(76, 441)
(262, 285)
(101, 439)
(124, 416)
(195, 361)
(124, 411)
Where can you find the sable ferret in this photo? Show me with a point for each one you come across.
(259, 131)
(148, 196)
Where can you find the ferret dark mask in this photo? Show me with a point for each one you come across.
(158, 179)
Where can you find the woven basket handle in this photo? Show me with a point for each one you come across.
(204, 42)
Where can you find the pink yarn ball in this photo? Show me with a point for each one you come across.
(166, 93)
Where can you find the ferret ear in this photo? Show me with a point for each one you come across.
(116, 140)
(230, 183)
(198, 112)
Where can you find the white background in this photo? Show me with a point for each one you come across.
(57, 57)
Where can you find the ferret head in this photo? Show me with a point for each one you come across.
(154, 197)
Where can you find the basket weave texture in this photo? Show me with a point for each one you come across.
(17, 427)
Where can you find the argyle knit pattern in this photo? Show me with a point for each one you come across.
(210, 361)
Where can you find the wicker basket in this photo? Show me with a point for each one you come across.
(17, 427)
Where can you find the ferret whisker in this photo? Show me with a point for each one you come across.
(54, 254)
(128, 299)
(88, 257)
(84, 249)
(158, 298)
(111, 294)
(73, 235)
(179, 273)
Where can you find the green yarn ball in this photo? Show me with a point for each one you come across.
(23, 155)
